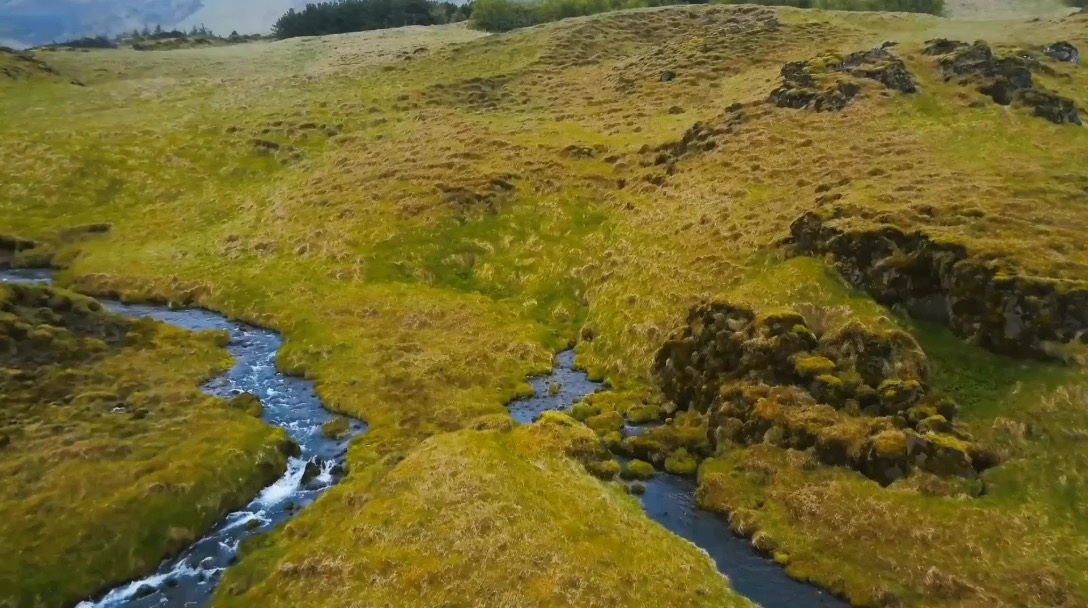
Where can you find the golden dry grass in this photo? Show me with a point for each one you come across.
(473, 518)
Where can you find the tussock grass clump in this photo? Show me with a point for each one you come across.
(111, 457)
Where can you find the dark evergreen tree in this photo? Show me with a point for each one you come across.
(356, 15)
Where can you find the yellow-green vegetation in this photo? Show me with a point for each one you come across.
(111, 457)
(336, 427)
(428, 214)
(681, 462)
(637, 469)
(518, 523)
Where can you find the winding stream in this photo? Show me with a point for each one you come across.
(290, 403)
(670, 500)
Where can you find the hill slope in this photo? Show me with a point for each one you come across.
(886, 240)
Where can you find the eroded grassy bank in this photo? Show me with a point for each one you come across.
(97, 486)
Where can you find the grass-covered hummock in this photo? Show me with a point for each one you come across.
(111, 457)
(506, 516)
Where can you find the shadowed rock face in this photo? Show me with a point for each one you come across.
(942, 282)
(829, 82)
(858, 397)
(1063, 51)
(1005, 79)
(9, 246)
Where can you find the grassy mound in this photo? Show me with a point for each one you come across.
(98, 488)
(518, 522)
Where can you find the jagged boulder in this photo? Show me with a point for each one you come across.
(1062, 51)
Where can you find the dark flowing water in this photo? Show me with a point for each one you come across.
(670, 500)
(289, 402)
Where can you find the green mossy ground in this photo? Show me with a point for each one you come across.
(427, 214)
(112, 459)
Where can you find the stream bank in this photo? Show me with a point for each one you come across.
(670, 500)
(289, 403)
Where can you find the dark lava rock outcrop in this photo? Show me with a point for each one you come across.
(828, 82)
(1063, 51)
(941, 281)
(1005, 79)
(856, 396)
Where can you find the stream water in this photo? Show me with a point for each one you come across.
(290, 403)
(670, 500)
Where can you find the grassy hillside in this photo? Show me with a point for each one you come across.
(427, 214)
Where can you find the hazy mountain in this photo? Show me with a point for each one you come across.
(32, 22)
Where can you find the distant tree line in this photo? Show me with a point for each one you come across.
(342, 16)
(503, 15)
(149, 38)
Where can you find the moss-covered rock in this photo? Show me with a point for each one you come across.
(581, 411)
(605, 423)
(603, 469)
(641, 414)
(688, 430)
(943, 282)
(637, 469)
(681, 462)
(811, 366)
